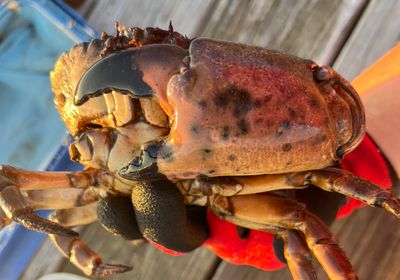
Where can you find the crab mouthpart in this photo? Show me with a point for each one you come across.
(119, 71)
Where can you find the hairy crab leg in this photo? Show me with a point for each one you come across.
(77, 251)
(262, 211)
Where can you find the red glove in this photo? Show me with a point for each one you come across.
(257, 250)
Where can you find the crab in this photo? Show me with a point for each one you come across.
(168, 127)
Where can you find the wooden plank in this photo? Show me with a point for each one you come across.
(148, 262)
(376, 33)
(309, 29)
(186, 16)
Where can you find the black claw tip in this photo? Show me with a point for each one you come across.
(31, 221)
(118, 71)
(110, 269)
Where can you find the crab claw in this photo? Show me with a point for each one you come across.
(116, 71)
(139, 72)
(104, 269)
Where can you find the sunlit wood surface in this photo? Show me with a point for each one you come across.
(348, 34)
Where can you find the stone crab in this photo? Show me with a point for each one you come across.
(167, 127)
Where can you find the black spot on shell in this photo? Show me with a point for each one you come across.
(225, 133)
(211, 171)
(206, 153)
(243, 126)
(286, 147)
(194, 129)
(257, 103)
(242, 103)
(281, 129)
(279, 132)
(314, 103)
(286, 125)
(202, 104)
(292, 113)
(238, 101)
(231, 157)
(221, 100)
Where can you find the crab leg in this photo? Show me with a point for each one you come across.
(340, 181)
(14, 204)
(236, 185)
(329, 179)
(38, 180)
(262, 211)
(60, 198)
(16, 208)
(75, 216)
(85, 258)
(298, 256)
(75, 249)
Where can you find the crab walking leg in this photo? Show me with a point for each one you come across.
(236, 185)
(60, 198)
(41, 180)
(340, 181)
(14, 204)
(16, 208)
(76, 250)
(329, 179)
(73, 217)
(262, 211)
(298, 255)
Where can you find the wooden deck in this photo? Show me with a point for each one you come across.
(348, 34)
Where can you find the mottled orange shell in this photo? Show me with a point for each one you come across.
(241, 110)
